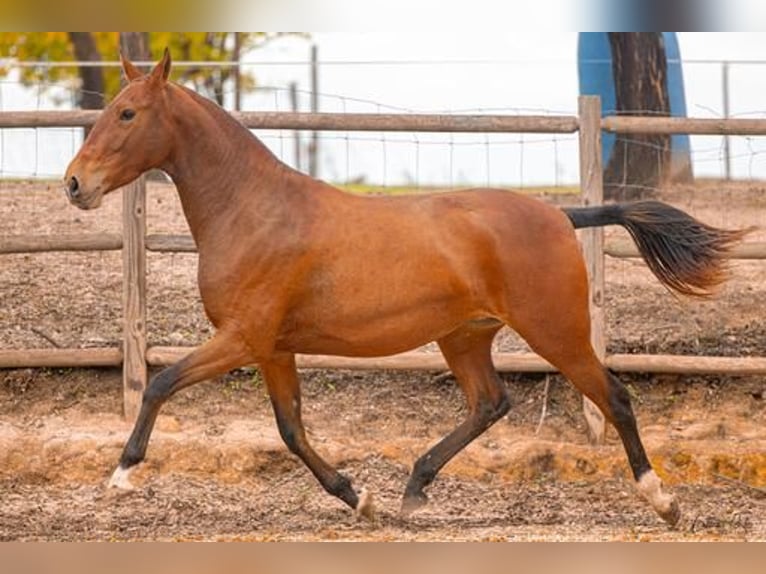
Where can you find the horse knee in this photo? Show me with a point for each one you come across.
(423, 472)
(131, 456)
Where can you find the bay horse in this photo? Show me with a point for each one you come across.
(289, 264)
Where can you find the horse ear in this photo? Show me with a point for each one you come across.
(131, 72)
(162, 70)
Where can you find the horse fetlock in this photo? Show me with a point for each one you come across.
(492, 412)
(131, 456)
(340, 487)
(423, 473)
(665, 504)
(120, 478)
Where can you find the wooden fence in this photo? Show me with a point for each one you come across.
(135, 357)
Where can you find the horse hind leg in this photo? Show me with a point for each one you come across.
(556, 324)
(611, 396)
(468, 354)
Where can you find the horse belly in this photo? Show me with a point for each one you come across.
(362, 334)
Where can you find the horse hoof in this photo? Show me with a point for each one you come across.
(120, 479)
(365, 508)
(650, 487)
(413, 502)
(672, 515)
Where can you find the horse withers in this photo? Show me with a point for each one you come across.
(289, 264)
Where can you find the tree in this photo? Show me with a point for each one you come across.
(135, 46)
(92, 78)
(97, 84)
(639, 162)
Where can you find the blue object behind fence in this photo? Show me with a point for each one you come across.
(594, 66)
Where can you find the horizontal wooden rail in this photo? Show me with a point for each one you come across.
(425, 122)
(185, 244)
(521, 362)
(691, 126)
(171, 243)
(49, 119)
(504, 362)
(507, 362)
(408, 122)
(45, 243)
(24, 358)
(332, 122)
(687, 364)
(92, 242)
(627, 249)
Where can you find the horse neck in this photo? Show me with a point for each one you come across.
(219, 168)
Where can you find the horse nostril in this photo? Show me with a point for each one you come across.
(74, 187)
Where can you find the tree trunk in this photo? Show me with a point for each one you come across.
(639, 163)
(92, 89)
(236, 57)
(135, 45)
(91, 96)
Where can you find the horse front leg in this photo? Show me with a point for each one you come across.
(282, 382)
(221, 354)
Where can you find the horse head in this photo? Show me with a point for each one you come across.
(131, 136)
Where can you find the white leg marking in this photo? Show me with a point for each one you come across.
(120, 480)
(366, 507)
(650, 487)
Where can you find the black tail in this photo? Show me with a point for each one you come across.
(686, 255)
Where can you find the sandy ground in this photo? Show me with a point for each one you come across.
(216, 468)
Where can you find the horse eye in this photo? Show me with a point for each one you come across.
(127, 114)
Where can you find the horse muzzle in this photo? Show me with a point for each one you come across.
(79, 197)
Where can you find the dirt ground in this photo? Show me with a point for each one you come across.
(217, 469)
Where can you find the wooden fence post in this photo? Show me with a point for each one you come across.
(135, 45)
(592, 187)
(134, 371)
